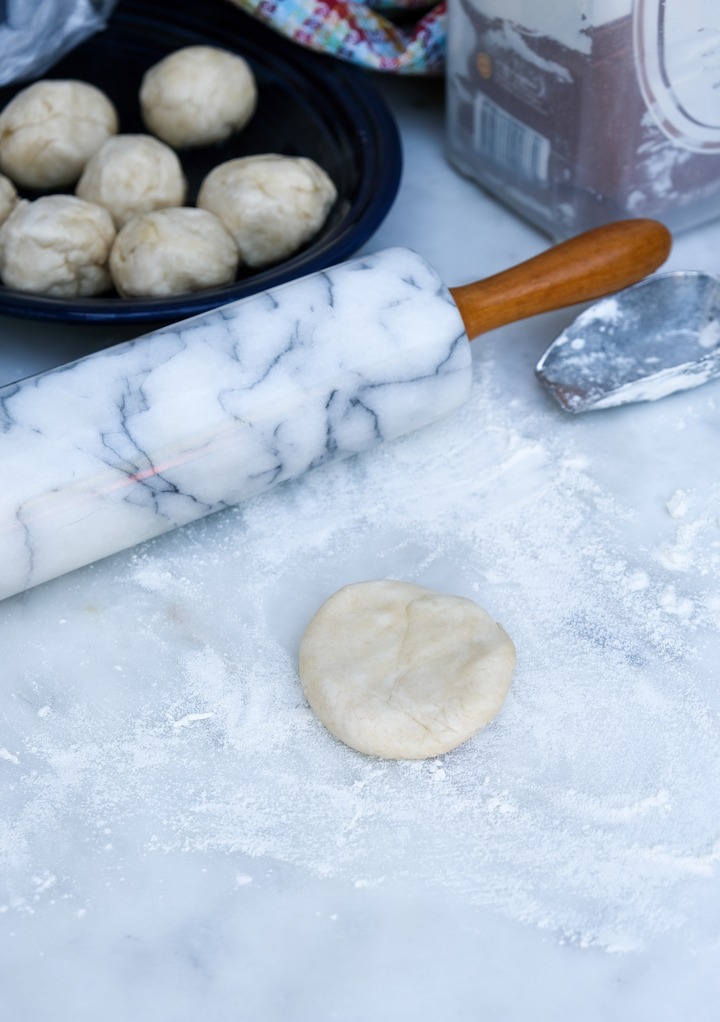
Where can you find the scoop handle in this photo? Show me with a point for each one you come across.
(588, 266)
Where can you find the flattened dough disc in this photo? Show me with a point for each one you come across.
(399, 671)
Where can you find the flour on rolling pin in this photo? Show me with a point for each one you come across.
(128, 443)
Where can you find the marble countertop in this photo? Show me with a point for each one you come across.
(179, 837)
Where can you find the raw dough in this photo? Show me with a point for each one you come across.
(133, 174)
(49, 130)
(172, 251)
(198, 95)
(58, 245)
(8, 198)
(399, 671)
(270, 204)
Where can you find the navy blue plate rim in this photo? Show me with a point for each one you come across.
(374, 139)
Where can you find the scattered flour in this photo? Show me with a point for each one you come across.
(710, 334)
(606, 311)
(589, 809)
(678, 505)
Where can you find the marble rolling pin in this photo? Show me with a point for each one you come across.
(132, 441)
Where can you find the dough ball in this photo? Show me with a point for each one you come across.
(270, 204)
(133, 174)
(399, 671)
(8, 198)
(50, 130)
(58, 245)
(171, 252)
(197, 96)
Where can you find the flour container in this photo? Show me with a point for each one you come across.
(578, 112)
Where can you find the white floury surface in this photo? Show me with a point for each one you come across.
(180, 837)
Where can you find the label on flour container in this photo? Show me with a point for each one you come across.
(508, 143)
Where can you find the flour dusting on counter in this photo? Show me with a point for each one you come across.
(176, 724)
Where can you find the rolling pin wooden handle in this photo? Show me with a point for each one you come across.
(586, 267)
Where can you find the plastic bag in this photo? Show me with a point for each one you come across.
(35, 34)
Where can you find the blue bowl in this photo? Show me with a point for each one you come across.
(309, 105)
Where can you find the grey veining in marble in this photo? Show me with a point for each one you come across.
(128, 443)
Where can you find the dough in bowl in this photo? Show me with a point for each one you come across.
(49, 131)
(57, 245)
(197, 96)
(399, 671)
(171, 252)
(133, 174)
(271, 204)
(8, 198)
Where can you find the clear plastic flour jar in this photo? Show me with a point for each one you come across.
(577, 112)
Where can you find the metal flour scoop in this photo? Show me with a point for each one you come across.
(653, 339)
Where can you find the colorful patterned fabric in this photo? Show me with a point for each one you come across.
(360, 33)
